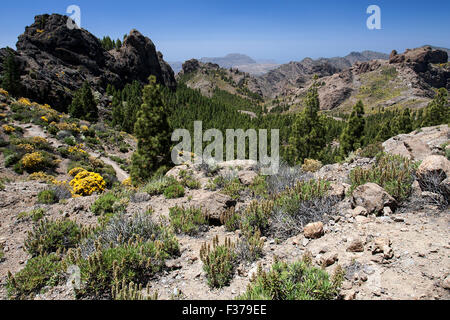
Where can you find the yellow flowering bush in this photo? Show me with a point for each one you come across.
(43, 118)
(4, 92)
(84, 128)
(86, 183)
(8, 129)
(32, 160)
(28, 148)
(38, 140)
(76, 171)
(41, 176)
(127, 182)
(2, 115)
(25, 101)
(76, 149)
(64, 126)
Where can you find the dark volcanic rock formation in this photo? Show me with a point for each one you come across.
(55, 60)
(423, 61)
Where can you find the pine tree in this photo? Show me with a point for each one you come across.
(403, 123)
(308, 131)
(11, 76)
(153, 134)
(384, 132)
(83, 104)
(437, 112)
(353, 134)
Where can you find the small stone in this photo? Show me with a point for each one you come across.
(387, 211)
(329, 259)
(351, 295)
(314, 230)
(363, 277)
(359, 211)
(380, 244)
(356, 246)
(305, 242)
(446, 283)
(347, 285)
(399, 219)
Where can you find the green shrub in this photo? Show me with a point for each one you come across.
(233, 188)
(39, 272)
(107, 267)
(47, 197)
(158, 185)
(174, 191)
(394, 173)
(256, 217)
(371, 150)
(50, 236)
(259, 186)
(70, 141)
(131, 292)
(296, 281)
(107, 204)
(231, 220)
(188, 221)
(35, 215)
(121, 229)
(250, 247)
(188, 180)
(218, 262)
(295, 207)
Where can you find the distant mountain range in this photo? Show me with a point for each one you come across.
(237, 61)
(259, 67)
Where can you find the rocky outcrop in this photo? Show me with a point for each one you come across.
(419, 144)
(421, 60)
(55, 60)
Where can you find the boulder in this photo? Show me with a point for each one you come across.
(313, 230)
(247, 177)
(372, 197)
(214, 203)
(436, 167)
(356, 245)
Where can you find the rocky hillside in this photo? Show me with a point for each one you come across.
(207, 77)
(380, 225)
(298, 74)
(405, 80)
(55, 61)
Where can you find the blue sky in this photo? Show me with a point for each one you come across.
(264, 29)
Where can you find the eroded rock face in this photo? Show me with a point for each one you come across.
(55, 60)
(372, 197)
(421, 60)
(419, 144)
